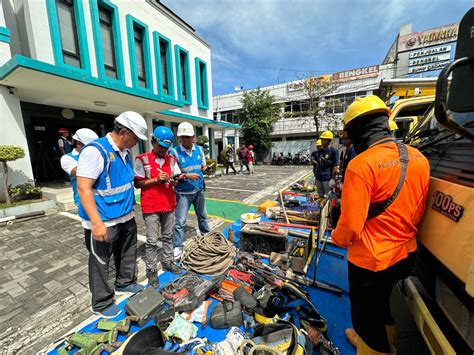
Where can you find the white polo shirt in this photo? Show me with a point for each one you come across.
(68, 163)
(91, 165)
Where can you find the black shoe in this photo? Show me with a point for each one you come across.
(173, 268)
(152, 277)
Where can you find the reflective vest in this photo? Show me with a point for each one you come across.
(189, 164)
(77, 201)
(113, 190)
(158, 197)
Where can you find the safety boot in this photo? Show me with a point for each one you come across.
(152, 277)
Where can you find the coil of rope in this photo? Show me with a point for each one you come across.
(211, 254)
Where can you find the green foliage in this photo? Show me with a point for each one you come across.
(11, 152)
(203, 141)
(258, 114)
(24, 191)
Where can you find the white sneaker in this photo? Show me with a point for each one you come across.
(178, 253)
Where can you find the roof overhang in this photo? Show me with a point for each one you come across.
(43, 83)
(168, 115)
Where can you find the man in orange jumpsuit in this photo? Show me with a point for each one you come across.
(382, 204)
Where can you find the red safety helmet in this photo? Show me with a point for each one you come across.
(250, 146)
(62, 130)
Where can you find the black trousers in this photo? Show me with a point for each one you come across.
(369, 293)
(123, 245)
(230, 164)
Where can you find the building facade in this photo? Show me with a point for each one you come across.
(295, 131)
(73, 64)
(410, 68)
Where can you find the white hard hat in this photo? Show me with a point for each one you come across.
(85, 136)
(134, 122)
(185, 129)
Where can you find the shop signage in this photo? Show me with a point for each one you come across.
(429, 60)
(428, 38)
(295, 86)
(429, 67)
(356, 73)
(430, 51)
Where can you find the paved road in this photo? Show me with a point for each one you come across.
(43, 263)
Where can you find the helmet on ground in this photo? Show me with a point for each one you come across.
(185, 129)
(319, 143)
(63, 130)
(134, 122)
(364, 106)
(326, 135)
(163, 136)
(85, 136)
(250, 146)
(393, 125)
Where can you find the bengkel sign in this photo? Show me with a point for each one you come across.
(428, 38)
(356, 73)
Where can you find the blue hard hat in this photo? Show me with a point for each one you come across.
(164, 136)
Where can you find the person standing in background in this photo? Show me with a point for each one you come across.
(82, 137)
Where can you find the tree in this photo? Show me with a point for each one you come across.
(321, 107)
(258, 114)
(9, 153)
(203, 141)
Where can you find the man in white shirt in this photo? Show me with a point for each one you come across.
(82, 137)
(105, 186)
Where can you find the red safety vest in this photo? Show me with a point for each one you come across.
(159, 197)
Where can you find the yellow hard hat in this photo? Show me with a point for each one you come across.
(326, 135)
(393, 125)
(229, 146)
(319, 143)
(363, 106)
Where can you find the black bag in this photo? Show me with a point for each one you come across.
(226, 314)
(144, 304)
(247, 300)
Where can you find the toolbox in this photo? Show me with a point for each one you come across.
(142, 305)
(263, 239)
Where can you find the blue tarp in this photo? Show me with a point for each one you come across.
(335, 309)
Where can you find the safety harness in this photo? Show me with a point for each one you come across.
(377, 208)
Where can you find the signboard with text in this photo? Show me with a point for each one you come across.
(433, 37)
(354, 74)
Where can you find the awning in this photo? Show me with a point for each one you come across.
(168, 115)
(43, 83)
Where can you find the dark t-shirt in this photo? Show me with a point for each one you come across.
(326, 158)
(348, 155)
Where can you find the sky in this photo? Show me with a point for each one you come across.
(257, 43)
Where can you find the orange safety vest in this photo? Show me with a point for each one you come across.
(159, 197)
(372, 176)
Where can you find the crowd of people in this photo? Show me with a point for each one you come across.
(245, 156)
(103, 179)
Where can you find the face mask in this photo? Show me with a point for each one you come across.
(367, 130)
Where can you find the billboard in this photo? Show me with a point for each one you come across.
(433, 37)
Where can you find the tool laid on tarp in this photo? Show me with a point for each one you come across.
(263, 239)
(143, 305)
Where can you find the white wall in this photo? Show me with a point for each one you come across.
(13, 133)
(158, 21)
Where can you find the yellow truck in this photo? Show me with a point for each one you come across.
(406, 113)
(441, 296)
